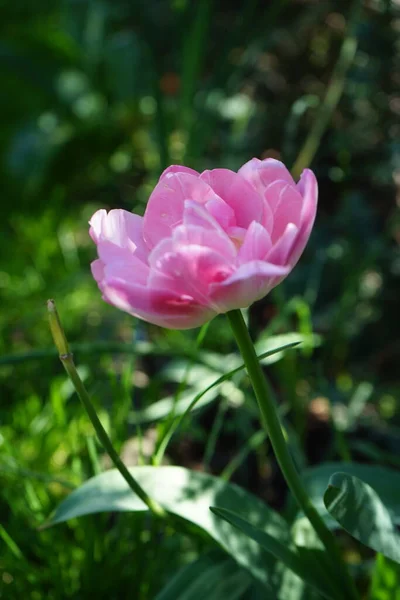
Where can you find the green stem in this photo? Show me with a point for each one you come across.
(274, 430)
(68, 363)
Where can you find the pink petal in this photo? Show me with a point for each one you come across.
(120, 228)
(286, 204)
(222, 212)
(197, 215)
(157, 306)
(97, 268)
(308, 187)
(114, 257)
(178, 169)
(256, 244)
(190, 270)
(280, 251)
(158, 253)
(215, 239)
(166, 204)
(261, 173)
(249, 283)
(134, 270)
(238, 193)
(96, 224)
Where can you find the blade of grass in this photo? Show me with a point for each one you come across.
(178, 422)
(183, 383)
(212, 438)
(258, 438)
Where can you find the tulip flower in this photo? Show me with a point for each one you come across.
(211, 243)
(208, 242)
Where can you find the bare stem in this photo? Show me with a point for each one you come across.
(67, 360)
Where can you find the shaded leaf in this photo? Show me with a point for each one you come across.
(301, 564)
(213, 575)
(359, 510)
(385, 481)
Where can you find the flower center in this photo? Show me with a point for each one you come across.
(237, 235)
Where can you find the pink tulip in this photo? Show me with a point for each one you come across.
(208, 242)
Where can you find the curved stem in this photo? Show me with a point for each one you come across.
(68, 363)
(273, 428)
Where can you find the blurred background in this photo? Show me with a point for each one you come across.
(98, 97)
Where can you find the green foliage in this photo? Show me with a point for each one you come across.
(301, 563)
(211, 574)
(189, 495)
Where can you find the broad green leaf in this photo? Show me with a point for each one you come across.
(286, 553)
(187, 494)
(359, 510)
(385, 580)
(384, 480)
(213, 575)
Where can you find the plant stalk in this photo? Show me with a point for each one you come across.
(68, 364)
(273, 428)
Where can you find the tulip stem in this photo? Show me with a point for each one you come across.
(68, 364)
(273, 428)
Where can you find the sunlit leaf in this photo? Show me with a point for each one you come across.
(187, 494)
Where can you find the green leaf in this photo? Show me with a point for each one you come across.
(385, 481)
(213, 575)
(301, 564)
(304, 537)
(187, 494)
(359, 510)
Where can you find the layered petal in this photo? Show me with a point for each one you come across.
(286, 205)
(261, 173)
(238, 193)
(159, 306)
(280, 252)
(121, 229)
(250, 282)
(308, 187)
(256, 244)
(179, 169)
(165, 208)
(192, 260)
(208, 243)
